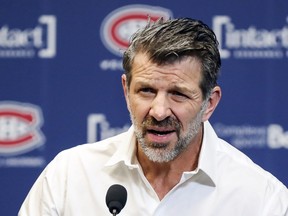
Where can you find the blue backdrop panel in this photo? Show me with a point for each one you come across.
(60, 79)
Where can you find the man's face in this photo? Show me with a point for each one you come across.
(166, 106)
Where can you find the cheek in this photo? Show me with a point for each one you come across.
(185, 116)
(185, 121)
(138, 109)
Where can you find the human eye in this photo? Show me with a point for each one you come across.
(146, 91)
(179, 96)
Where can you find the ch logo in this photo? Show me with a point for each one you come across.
(120, 24)
(19, 128)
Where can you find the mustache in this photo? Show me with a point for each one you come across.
(167, 122)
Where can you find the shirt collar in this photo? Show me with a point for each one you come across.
(127, 152)
(207, 159)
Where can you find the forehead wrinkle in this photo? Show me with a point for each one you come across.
(156, 73)
(144, 68)
(141, 61)
(156, 77)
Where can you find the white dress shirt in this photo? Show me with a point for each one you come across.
(226, 183)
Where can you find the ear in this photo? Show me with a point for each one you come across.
(125, 89)
(124, 84)
(212, 102)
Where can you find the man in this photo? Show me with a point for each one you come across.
(170, 161)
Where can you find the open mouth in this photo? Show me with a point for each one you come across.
(160, 133)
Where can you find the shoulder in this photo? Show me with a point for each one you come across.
(97, 153)
(107, 145)
(236, 162)
(243, 172)
(238, 173)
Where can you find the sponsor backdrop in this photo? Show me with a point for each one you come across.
(60, 69)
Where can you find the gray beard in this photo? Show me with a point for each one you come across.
(156, 152)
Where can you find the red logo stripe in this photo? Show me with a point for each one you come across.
(124, 19)
(17, 141)
(26, 117)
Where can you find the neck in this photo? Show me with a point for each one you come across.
(164, 176)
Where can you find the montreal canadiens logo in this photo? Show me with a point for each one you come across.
(119, 25)
(19, 128)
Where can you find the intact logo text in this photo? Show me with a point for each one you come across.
(39, 41)
(98, 128)
(251, 42)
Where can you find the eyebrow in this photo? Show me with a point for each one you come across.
(181, 89)
(172, 86)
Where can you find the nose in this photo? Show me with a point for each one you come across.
(160, 107)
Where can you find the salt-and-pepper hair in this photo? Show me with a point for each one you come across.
(167, 41)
